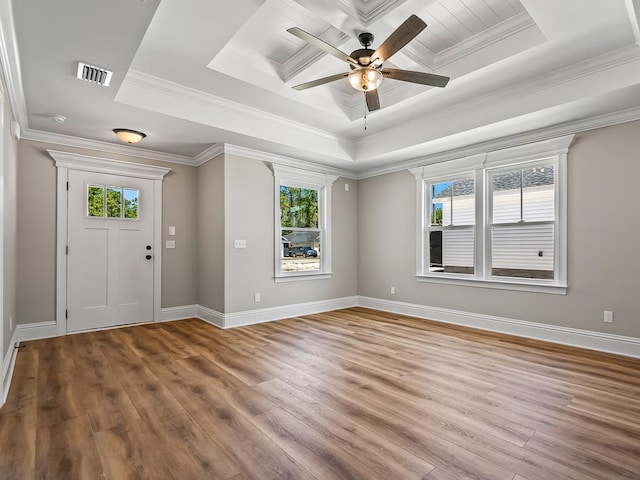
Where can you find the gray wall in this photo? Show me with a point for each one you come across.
(36, 227)
(249, 211)
(8, 217)
(373, 239)
(603, 233)
(210, 234)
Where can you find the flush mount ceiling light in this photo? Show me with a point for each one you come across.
(365, 79)
(129, 136)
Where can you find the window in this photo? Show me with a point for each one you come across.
(452, 225)
(112, 202)
(523, 222)
(496, 219)
(302, 224)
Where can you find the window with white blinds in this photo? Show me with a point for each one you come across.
(496, 219)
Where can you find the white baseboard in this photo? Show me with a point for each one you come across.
(250, 317)
(170, 314)
(604, 342)
(8, 366)
(210, 316)
(37, 331)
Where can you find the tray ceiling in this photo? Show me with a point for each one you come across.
(194, 74)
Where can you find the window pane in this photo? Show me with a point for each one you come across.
(440, 194)
(300, 250)
(453, 203)
(95, 201)
(464, 202)
(114, 202)
(298, 207)
(130, 203)
(538, 194)
(451, 251)
(506, 191)
(524, 251)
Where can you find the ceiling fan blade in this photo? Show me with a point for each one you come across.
(321, 44)
(430, 79)
(406, 32)
(320, 81)
(373, 100)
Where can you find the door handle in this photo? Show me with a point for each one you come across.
(148, 257)
(148, 247)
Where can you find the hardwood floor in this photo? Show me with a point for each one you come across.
(351, 394)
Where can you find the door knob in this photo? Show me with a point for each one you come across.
(148, 247)
(148, 257)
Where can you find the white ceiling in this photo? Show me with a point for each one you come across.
(195, 75)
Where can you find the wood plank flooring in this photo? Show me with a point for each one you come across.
(351, 394)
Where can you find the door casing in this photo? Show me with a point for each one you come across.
(66, 161)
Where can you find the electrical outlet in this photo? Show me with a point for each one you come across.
(256, 297)
(608, 316)
(171, 244)
(393, 290)
(239, 244)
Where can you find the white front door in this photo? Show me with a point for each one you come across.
(110, 256)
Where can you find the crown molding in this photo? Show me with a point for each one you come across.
(549, 133)
(208, 154)
(69, 141)
(501, 31)
(544, 82)
(368, 11)
(106, 165)
(605, 61)
(423, 55)
(151, 82)
(633, 18)
(10, 64)
(308, 55)
(288, 161)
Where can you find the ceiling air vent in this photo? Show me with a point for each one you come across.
(93, 74)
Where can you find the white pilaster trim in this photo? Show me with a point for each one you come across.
(62, 231)
(157, 241)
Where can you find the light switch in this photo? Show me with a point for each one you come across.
(239, 244)
(171, 244)
(172, 230)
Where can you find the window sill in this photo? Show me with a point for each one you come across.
(495, 284)
(297, 277)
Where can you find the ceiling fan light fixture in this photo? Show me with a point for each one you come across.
(129, 136)
(365, 79)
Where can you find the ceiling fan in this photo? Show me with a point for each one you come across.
(366, 64)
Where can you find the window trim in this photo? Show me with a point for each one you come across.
(553, 151)
(294, 177)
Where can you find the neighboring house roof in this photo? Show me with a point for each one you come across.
(531, 177)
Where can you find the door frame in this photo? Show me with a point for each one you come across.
(65, 161)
